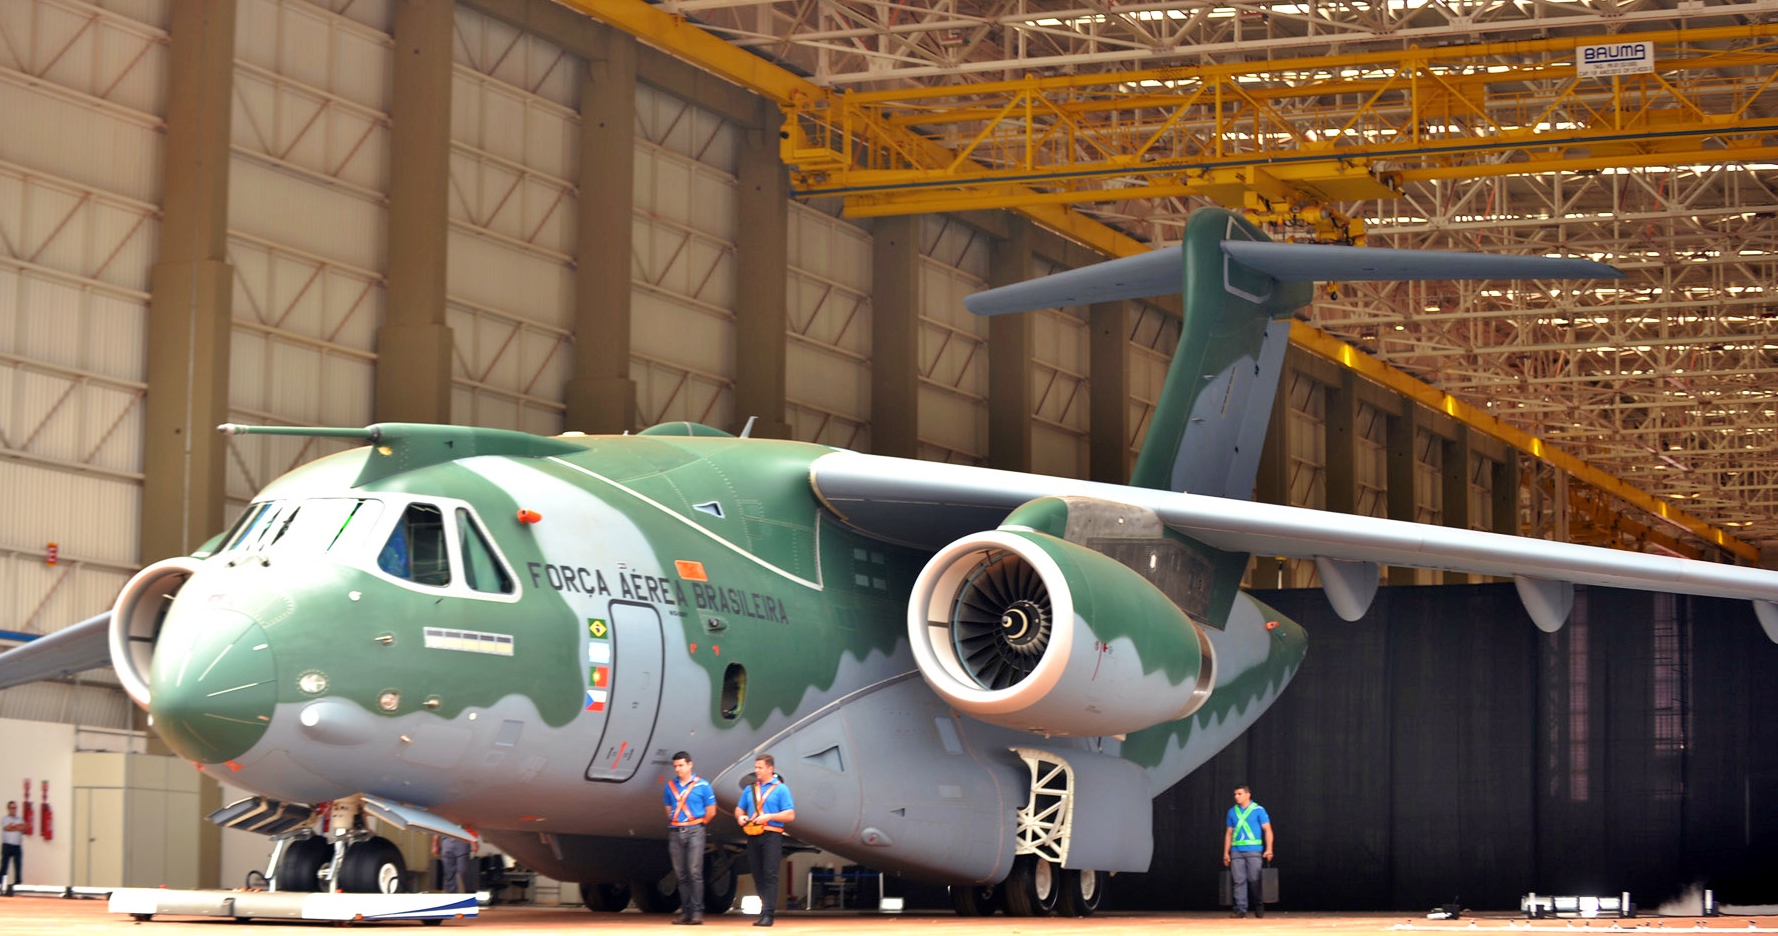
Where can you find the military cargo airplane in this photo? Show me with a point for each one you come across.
(969, 676)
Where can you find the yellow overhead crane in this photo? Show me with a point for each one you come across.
(796, 94)
(1286, 138)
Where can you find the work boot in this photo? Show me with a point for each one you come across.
(1237, 913)
(765, 919)
(1259, 910)
(697, 919)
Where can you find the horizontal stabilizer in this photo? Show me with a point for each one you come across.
(70, 650)
(1331, 262)
(1161, 272)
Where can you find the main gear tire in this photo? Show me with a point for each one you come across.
(1033, 889)
(605, 898)
(1082, 892)
(975, 900)
(373, 867)
(300, 864)
(720, 883)
(657, 896)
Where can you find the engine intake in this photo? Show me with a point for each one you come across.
(1029, 631)
(136, 621)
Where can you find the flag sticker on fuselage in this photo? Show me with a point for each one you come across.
(597, 652)
(595, 700)
(597, 627)
(439, 638)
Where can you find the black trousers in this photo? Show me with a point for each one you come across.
(765, 852)
(13, 856)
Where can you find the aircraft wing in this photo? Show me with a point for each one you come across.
(929, 504)
(68, 651)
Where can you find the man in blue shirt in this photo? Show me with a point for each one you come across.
(1243, 850)
(765, 807)
(690, 805)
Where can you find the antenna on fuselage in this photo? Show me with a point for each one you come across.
(747, 430)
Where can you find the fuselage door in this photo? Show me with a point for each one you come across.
(633, 680)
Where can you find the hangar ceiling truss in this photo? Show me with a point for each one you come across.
(1335, 120)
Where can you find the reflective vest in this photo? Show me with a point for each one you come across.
(681, 814)
(1245, 834)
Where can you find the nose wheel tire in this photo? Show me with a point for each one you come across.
(1082, 892)
(975, 899)
(1034, 888)
(373, 867)
(300, 864)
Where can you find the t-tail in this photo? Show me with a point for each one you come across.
(1239, 290)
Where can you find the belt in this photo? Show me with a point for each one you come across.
(685, 825)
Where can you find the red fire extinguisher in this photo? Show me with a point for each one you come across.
(30, 810)
(48, 830)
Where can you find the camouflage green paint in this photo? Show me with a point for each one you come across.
(1218, 329)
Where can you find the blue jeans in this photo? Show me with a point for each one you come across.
(1243, 874)
(686, 846)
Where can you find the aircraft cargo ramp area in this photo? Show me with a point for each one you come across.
(20, 916)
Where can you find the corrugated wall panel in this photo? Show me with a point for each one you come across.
(1153, 338)
(307, 226)
(111, 149)
(311, 44)
(1060, 395)
(514, 143)
(104, 54)
(827, 365)
(953, 353)
(82, 88)
(96, 706)
(683, 277)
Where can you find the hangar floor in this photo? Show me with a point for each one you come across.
(32, 916)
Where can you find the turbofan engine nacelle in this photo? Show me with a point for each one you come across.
(136, 621)
(1033, 632)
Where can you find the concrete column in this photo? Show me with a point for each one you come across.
(601, 397)
(1108, 373)
(1009, 356)
(895, 337)
(1506, 494)
(189, 308)
(413, 380)
(1399, 447)
(1272, 484)
(1340, 433)
(762, 253)
(1455, 479)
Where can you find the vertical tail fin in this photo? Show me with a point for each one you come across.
(1239, 288)
(1210, 423)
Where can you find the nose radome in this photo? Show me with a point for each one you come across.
(214, 684)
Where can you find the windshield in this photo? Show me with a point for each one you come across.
(311, 526)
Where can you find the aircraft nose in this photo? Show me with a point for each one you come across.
(214, 684)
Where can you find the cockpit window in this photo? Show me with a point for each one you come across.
(250, 526)
(311, 526)
(481, 571)
(416, 549)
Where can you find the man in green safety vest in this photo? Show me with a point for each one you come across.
(1243, 850)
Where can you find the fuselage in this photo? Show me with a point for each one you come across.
(520, 644)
